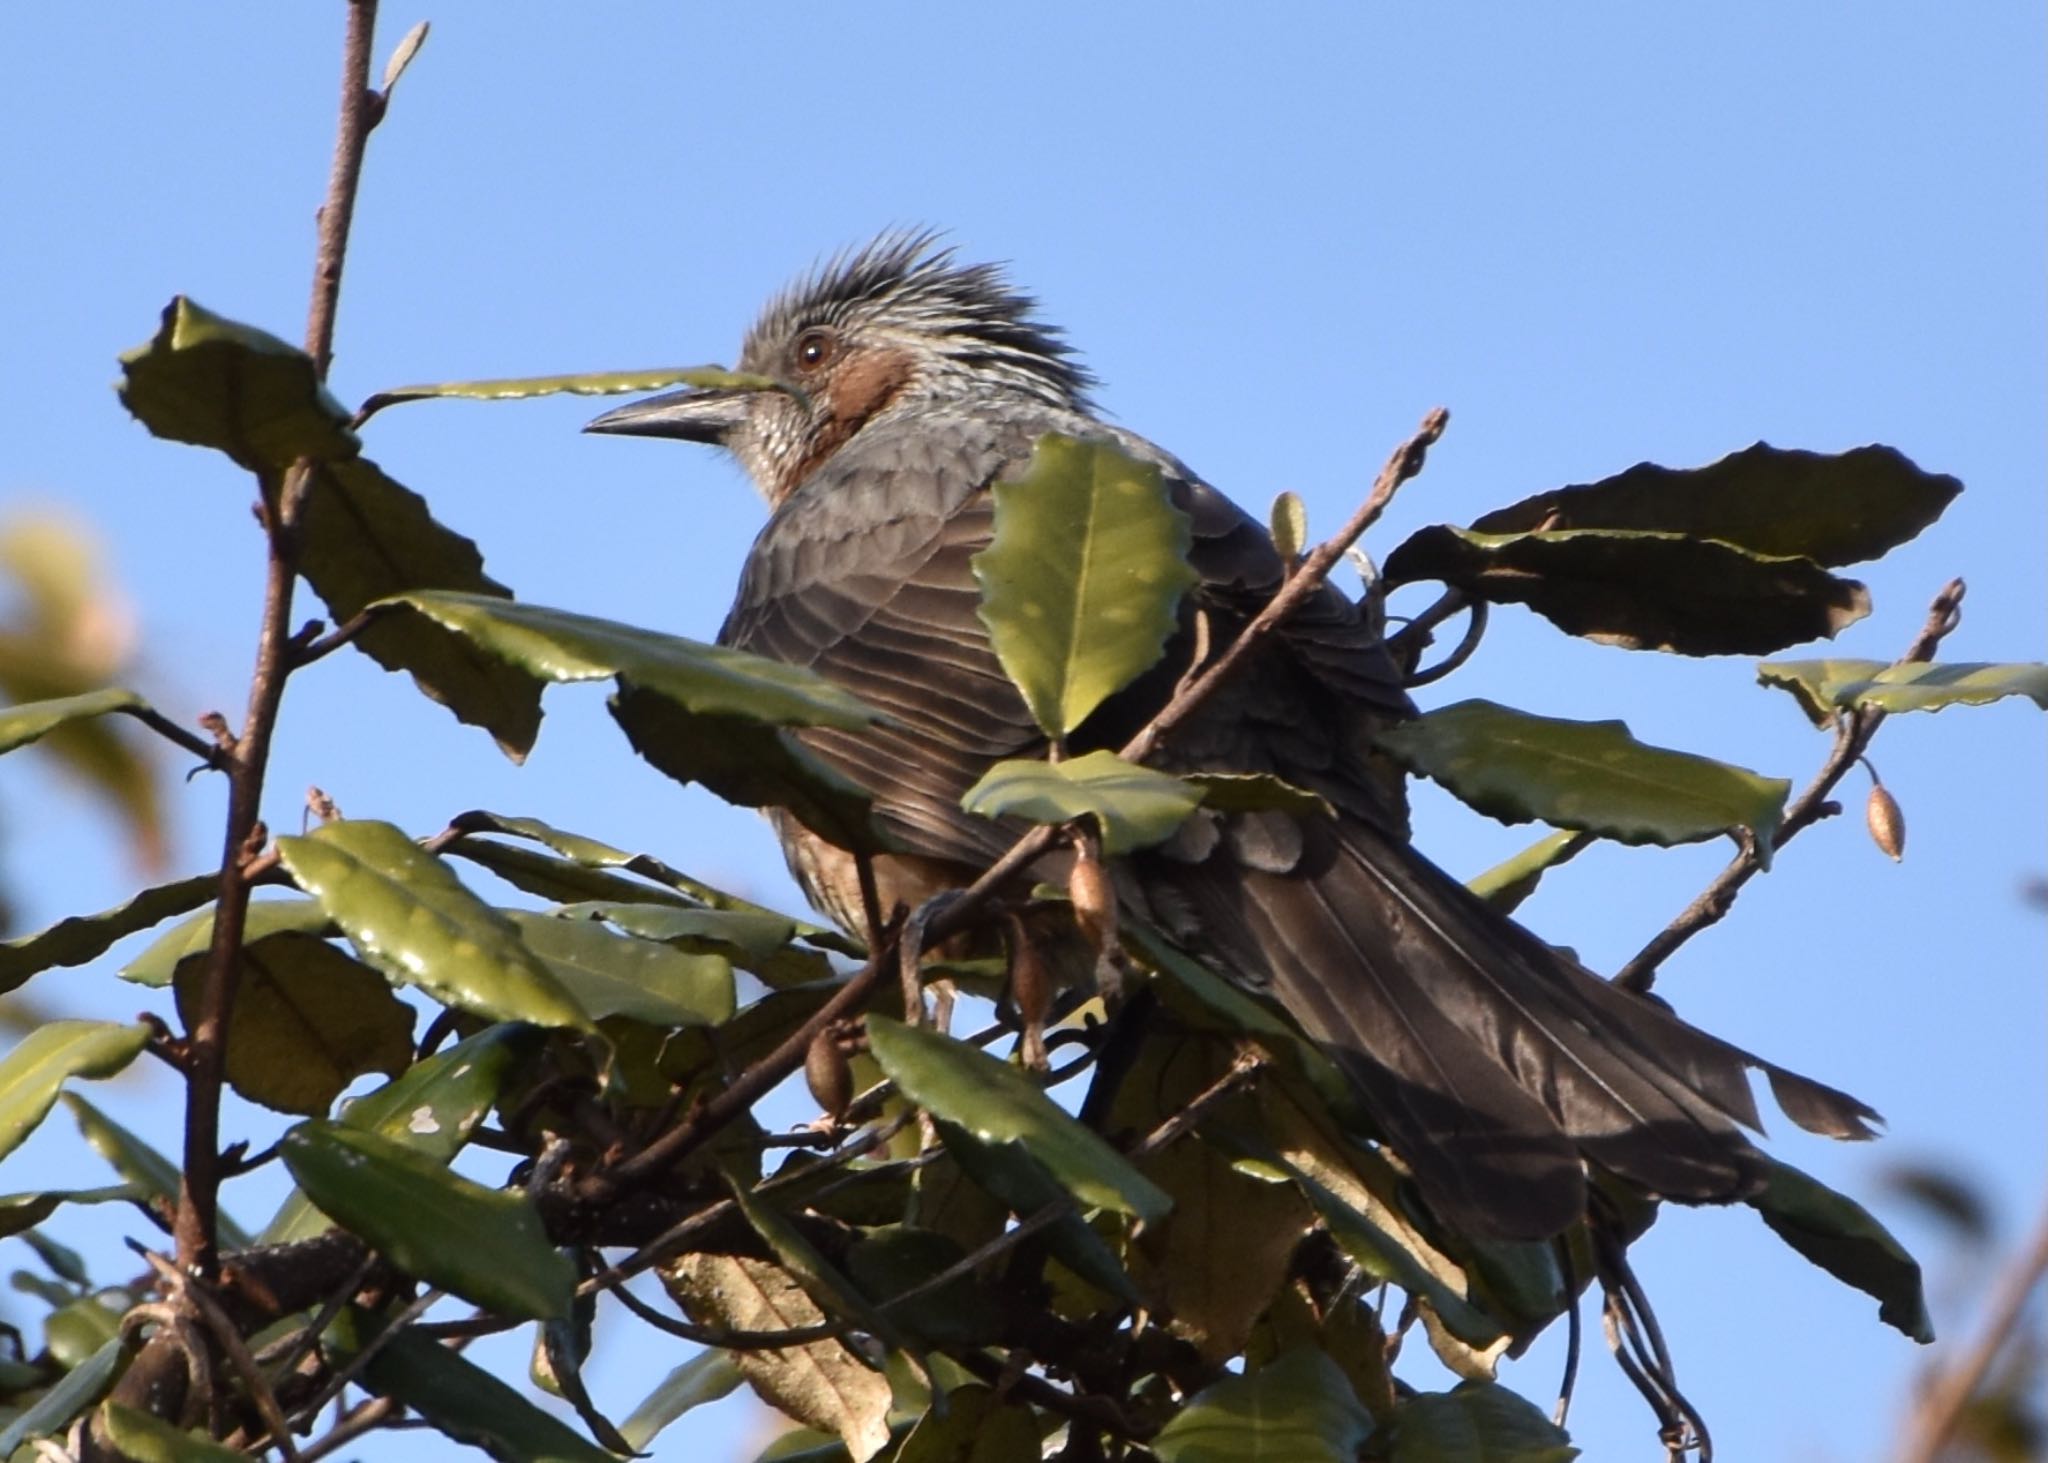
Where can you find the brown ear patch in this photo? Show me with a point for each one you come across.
(861, 385)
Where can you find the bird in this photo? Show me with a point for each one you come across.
(1495, 1067)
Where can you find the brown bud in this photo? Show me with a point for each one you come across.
(1031, 989)
(1093, 898)
(828, 1073)
(1887, 822)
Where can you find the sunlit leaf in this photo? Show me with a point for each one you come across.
(1638, 589)
(1509, 882)
(1826, 686)
(760, 942)
(1589, 775)
(20, 725)
(1840, 1236)
(618, 975)
(1134, 805)
(207, 380)
(997, 1103)
(1082, 581)
(1298, 1409)
(821, 1383)
(408, 915)
(1831, 507)
(307, 1021)
(159, 961)
(432, 1110)
(466, 1403)
(79, 938)
(485, 1245)
(1476, 1422)
(705, 1377)
(1255, 792)
(42, 1061)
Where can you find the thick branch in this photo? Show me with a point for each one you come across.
(1853, 730)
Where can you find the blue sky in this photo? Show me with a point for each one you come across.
(1597, 233)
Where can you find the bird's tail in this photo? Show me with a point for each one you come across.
(1488, 1061)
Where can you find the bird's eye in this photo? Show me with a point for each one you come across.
(814, 348)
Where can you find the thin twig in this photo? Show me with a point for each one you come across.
(362, 1418)
(1934, 1420)
(1854, 728)
(185, 1291)
(332, 641)
(199, 1193)
(215, 756)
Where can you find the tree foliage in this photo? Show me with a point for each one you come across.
(1042, 1235)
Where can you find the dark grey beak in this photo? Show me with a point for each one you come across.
(690, 415)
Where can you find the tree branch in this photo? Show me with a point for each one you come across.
(1853, 730)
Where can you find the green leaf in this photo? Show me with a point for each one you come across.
(1509, 882)
(1589, 775)
(754, 941)
(140, 1164)
(618, 975)
(976, 1427)
(1640, 590)
(79, 938)
(834, 1294)
(142, 1438)
(214, 383)
(1135, 806)
(21, 1213)
(20, 725)
(1256, 792)
(408, 915)
(432, 1110)
(156, 965)
(1476, 1422)
(468, 1404)
(80, 1326)
(890, 1259)
(307, 1022)
(705, 1377)
(42, 1061)
(1082, 582)
(1833, 508)
(364, 536)
(1826, 686)
(1297, 1409)
(486, 1245)
(588, 383)
(997, 1103)
(1840, 1236)
(1009, 1172)
(77, 1390)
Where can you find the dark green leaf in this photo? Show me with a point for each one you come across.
(1641, 590)
(588, 383)
(997, 1103)
(159, 962)
(307, 1022)
(755, 941)
(1476, 1422)
(80, 938)
(1298, 1409)
(977, 1427)
(1590, 775)
(618, 975)
(365, 536)
(432, 1109)
(891, 1259)
(142, 1438)
(835, 1295)
(705, 1377)
(1256, 792)
(77, 1390)
(64, 1262)
(1839, 1235)
(1826, 686)
(1833, 508)
(21, 1213)
(1082, 582)
(20, 725)
(468, 1404)
(408, 915)
(140, 1164)
(214, 383)
(1010, 1173)
(486, 1245)
(42, 1061)
(1509, 882)
(81, 1325)
(1134, 805)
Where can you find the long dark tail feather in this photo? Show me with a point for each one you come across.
(1490, 1063)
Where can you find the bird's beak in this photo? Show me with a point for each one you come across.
(690, 415)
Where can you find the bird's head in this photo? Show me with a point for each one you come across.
(893, 327)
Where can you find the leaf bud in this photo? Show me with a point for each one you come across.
(1887, 822)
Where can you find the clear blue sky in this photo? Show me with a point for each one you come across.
(1597, 234)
